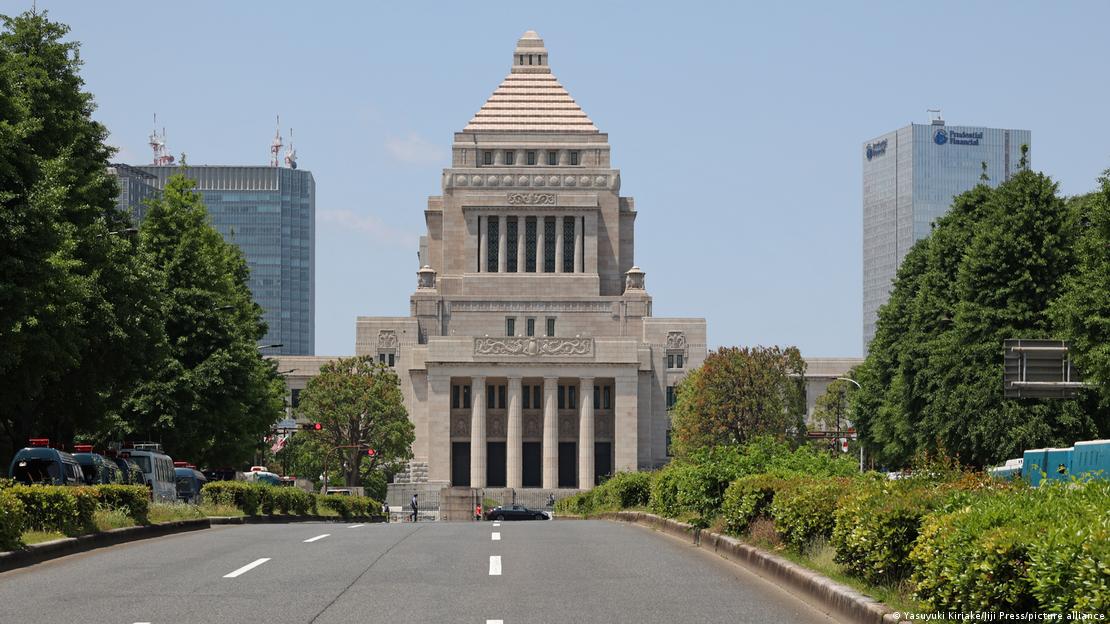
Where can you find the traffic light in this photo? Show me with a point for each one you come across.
(371, 452)
(315, 426)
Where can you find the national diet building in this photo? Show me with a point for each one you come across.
(530, 357)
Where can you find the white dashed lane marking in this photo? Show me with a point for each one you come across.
(495, 565)
(247, 568)
(355, 526)
(495, 621)
(318, 537)
(496, 536)
(496, 524)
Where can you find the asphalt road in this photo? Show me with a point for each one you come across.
(562, 571)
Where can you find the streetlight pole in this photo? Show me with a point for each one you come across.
(853, 381)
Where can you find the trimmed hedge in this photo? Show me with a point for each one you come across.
(1026, 549)
(134, 500)
(58, 508)
(623, 490)
(803, 508)
(748, 498)
(246, 496)
(351, 507)
(13, 519)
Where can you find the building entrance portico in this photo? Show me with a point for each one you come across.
(528, 430)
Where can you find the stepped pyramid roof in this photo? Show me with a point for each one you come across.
(530, 98)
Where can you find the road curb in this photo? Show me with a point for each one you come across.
(839, 599)
(38, 553)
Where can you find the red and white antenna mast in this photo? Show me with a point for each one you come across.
(158, 145)
(275, 146)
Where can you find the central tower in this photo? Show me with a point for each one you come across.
(530, 358)
(530, 204)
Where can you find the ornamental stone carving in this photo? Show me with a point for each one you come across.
(426, 278)
(460, 426)
(507, 180)
(537, 180)
(584, 180)
(553, 181)
(533, 426)
(495, 425)
(634, 279)
(493, 180)
(531, 199)
(387, 339)
(534, 346)
(602, 428)
(568, 181)
(676, 341)
(568, 427)
(460, 180)
(522, 180)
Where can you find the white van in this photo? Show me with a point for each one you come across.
(156, 466)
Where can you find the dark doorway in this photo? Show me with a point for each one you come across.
(603, 460)
(460, 463)
(532, 460)
(495, 464)
(568, 465)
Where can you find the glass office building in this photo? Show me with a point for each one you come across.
(270, 213)
(910, 176)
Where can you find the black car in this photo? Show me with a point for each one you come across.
(515, 512)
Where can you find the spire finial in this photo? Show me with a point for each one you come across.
(530, 57)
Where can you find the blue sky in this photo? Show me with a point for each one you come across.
(736, 126)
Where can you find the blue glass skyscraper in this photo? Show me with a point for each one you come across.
(910, 177)
(270, 213)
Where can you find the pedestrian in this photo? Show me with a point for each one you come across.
(551, 500)
(414, 507)
(385, 510)
(478, 512)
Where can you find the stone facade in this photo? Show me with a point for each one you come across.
(530, 356)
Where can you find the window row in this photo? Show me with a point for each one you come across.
(387, 358)
(532, 396)
(674, 360)
(531, 157)
(529, 326)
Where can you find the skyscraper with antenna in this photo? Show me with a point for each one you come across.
(268, 211)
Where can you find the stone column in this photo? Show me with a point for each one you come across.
(483, 244)
(514, 467)
(540, 227)
(502, 231)
(586, 433)
(439, 426)
(478, 432)
(521, 227)
(578, 244)
(625, 425)
(559, 244)
(550, 434)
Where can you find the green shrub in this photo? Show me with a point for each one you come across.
(58, 508)
(746, 499)
(664, 491)
(13, 520)
(350, 507)
(245, 496)
(295, 501)
(803, 508)
(134, 500)
(1068, 565)
(580, 504)
(622, 491)
(1017, 549)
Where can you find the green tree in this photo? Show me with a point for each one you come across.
(832, 409)
(359, 403)
(1083, 310)
(932, 378)
(79, 323)
(213, 397)
(739, 393)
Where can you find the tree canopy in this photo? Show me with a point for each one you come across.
(739, 393)
(213, 396)
(359, 403)
(932, 379)
(78, 324)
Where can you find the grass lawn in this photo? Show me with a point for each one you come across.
(38, 537)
